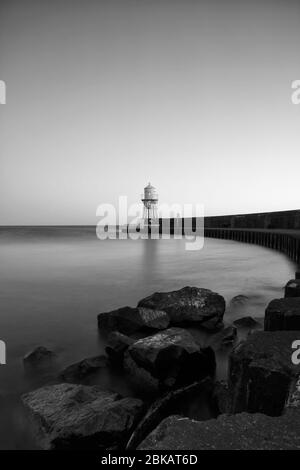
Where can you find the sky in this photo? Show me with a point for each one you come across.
(104, 96)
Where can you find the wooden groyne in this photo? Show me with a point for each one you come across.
(285, 241)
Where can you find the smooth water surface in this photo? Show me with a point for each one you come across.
(54, 282)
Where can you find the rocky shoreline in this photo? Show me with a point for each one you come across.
(168, 367)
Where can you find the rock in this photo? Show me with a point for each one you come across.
(283, 314)
(239, 300)
(39, 357)
(261, 371)
(292, 288)
(166, 360)
(170, 403)
(224, 337)
(129, 320)
(246, 322)
(293, 399)
(116, 347)
(229, 432)
(222, 397)
(190, 305)
(297, 276)
(68, 416)
(82, 370)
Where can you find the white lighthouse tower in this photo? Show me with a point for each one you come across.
(150, 201)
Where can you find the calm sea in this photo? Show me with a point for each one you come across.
(54, 282)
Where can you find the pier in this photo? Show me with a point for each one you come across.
(277, 230)
(285, 241)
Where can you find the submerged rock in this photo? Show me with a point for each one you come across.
(116, 347)
(246, 322)
(261, 371)
(292, 288)
(80, 371)
(39, 357)
(68, 416)
(229, 432)
(239, 300)
(190, 305)
(167, 360)
(129, 320)
(170, 403)
(283, 314)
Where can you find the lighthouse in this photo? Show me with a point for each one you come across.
(150, 201)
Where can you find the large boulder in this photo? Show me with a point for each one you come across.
(229, 432)
(68, 416)
(292, 288)
(176, 401)
(166, 360)
(117, 344)
(190, 305)
(261, 371)
(283, 314)
(128, 320)
(83, 370)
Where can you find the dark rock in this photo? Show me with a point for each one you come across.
(239, 300)
(68, 416)
(190, 305)
(246, 322)
(229, 432)
(170, 403)
(293, 399)
(117, 345)
(80, 371)
(224, 337)
(261, 371)
(297, 275)
(222, 397)
(292, 288)
(39, 357)
(283, 314)
(166, 360)
(129, 320)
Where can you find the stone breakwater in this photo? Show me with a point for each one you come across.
(285, 241)
(155, 346)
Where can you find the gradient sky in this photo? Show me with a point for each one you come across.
(104, 96)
